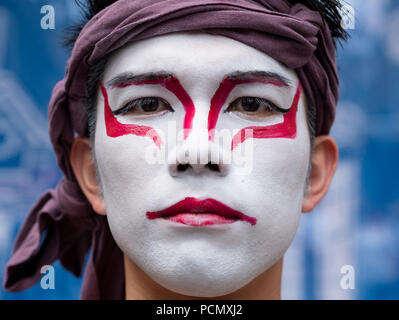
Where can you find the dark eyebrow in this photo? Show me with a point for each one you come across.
(261, 75)
(127, 78)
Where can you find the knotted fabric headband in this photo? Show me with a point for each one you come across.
(62, 225)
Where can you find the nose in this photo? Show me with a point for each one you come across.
(199, 156)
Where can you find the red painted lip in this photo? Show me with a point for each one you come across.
(195, 212)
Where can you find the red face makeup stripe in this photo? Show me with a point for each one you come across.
(116, 129)
(285, 129)
(173, 85)
(221, 95)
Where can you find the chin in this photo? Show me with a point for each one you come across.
(204, 284)
(206, 277)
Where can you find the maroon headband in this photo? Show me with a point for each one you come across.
(63, 225)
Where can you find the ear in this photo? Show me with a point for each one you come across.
(83, 167)
(324, 163)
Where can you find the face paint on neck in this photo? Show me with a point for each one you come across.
(285, 129)
(172, 84)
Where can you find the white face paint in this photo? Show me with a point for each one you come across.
(209, 260)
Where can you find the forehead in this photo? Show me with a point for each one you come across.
(192, 55)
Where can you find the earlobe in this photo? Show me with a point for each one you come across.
(324, 163)
(83, 167)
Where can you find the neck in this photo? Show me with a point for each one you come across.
(139, 286)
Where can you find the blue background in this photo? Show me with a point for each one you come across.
(356, 224)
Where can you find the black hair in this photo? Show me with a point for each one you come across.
(88, 9)
(329, 10)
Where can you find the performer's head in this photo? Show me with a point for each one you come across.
(197, 82)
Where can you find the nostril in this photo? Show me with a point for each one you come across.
(213, 166)
(183, 167)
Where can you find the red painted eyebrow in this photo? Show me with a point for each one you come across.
(228, 84)
(169, 82)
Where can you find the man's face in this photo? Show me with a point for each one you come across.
(156, 210)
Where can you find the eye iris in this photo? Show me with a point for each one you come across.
(250, 104)
(149, 104)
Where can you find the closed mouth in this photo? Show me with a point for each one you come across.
(195, 212)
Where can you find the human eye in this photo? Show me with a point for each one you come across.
(144, 106)
(253, 107)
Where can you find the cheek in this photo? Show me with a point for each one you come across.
(276, 184)
(127, 181)
(275, 191)
(122, 165)
(282, 164)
